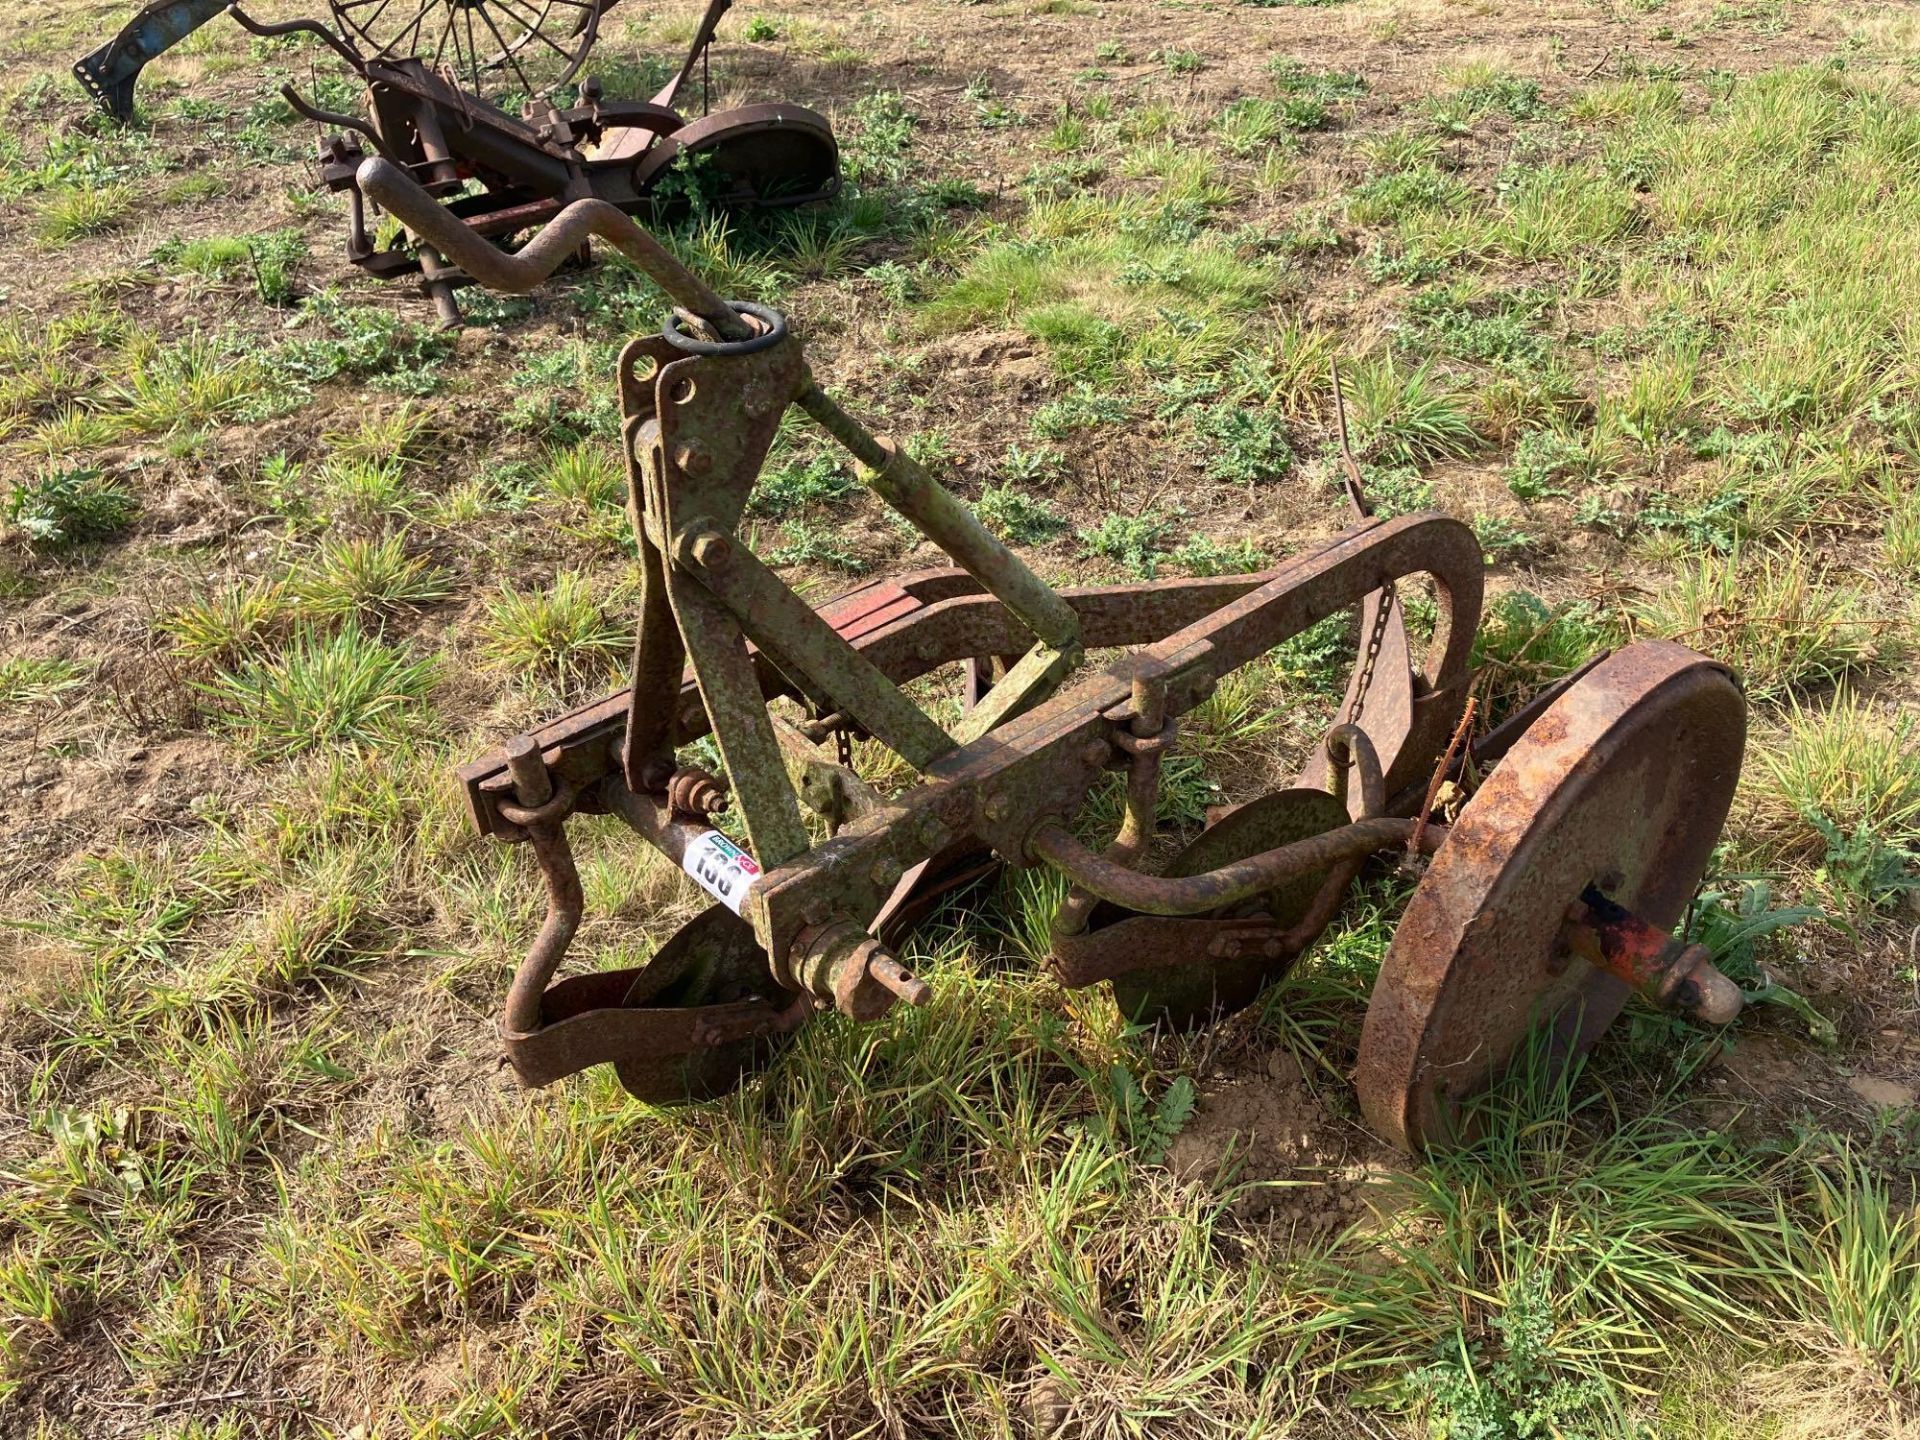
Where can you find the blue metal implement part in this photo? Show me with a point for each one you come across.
(109, 72)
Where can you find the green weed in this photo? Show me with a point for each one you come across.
(369, 578)
(227, 621)
(27, 680)
(338, 687)
(1770, 617)
(1242, 445)
(1524, 644)
(268, 260)
(1014, 515)
(797, 484)
(196, 381)
(1203, 555)
(58, 508)
(75, 212)
(364, 343)
(1134, 542)
(1478, 91)
(809, 544)
(560, 634)
(1407, 416)
(1853, 764)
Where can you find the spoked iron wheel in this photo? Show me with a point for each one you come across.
(515, 40)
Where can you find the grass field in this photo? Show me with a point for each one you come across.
(1631, 286)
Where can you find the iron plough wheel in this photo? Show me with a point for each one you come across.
(1619, 788)
(515, 39)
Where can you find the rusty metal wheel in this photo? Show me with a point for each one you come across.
(1207, 966)
(515, 39)
(772, 155)
(1623, 783)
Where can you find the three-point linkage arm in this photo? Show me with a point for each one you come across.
(894, 475)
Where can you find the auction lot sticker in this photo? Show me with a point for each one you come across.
(721, 868)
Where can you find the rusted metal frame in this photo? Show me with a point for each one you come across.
(1162, 941)
(1031, 678)
(1006, 785)
(832, 791)
(905, 484)
(951, 627)
(547, 251)
(1439, 684)
(741, 727)
(776, 619)
(938, 619)
(1298, 594)
(715, 644)
(1486, 751)
(588, 1020)
(1230, 884)
(1150, 734)
(1350, 756)
(659, 655)
(698, 445)
(489, 136)
(652, 818)
(541, 814)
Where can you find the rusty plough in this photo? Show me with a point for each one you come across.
(1547, 900)
(427, 66)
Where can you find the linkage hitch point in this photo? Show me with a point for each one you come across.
(844, 964)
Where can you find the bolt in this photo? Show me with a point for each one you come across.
(897, 978)
(692, 791)
(1097, 753)
(933, 831)
(863, 979)
(693, 459)
(885, 872)
(999, 806)
(532, 786)
(712, 549)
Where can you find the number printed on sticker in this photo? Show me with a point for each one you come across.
(721, 868)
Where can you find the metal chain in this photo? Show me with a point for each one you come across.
(1371, 655)
(1362, 509)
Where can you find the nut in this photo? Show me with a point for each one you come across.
(712, 549)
